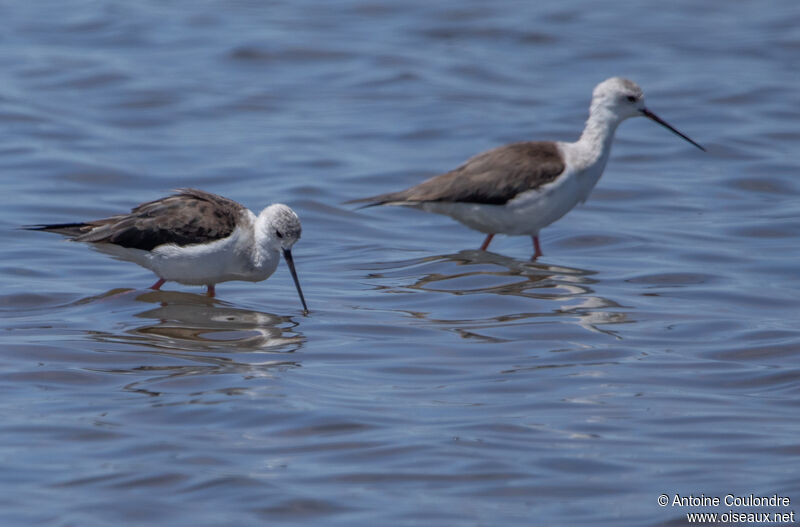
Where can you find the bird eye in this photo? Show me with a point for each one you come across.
(631, 98)
(278, 234)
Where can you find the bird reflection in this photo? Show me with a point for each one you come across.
(188, 335)
(556, 291)
(184, 317)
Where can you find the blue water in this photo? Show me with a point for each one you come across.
(652, 350)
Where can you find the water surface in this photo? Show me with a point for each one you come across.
(653, 349)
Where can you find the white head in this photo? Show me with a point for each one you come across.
(621, 97)
(280, 229)
(617, 99)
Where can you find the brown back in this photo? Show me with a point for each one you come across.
(189, 217)
(493, 177)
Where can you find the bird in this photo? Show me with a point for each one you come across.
(520, 188)
(195, 238)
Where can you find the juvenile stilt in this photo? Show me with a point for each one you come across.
(520, 188)
(487, 241)
(195, 238)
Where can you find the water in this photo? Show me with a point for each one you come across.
(652, 350)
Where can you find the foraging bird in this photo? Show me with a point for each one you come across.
(520, 188)
(195, 238)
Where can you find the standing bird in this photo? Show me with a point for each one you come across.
(520, 188)
(195, 238)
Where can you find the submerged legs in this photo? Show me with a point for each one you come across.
(537, 250)
(487, 241)
(157, 286)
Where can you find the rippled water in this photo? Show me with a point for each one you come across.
(652, 350)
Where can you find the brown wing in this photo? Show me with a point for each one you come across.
(493, 177)
(191, 216)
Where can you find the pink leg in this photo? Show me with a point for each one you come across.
(158, 284)
(537, 250)
(487, 241)
(211, 291)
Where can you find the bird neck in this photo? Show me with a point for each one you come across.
(598, 134)
(263, 250)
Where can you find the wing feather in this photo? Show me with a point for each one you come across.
(188, 217)
(493, 177)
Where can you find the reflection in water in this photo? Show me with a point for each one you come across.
(215, 338)
(201, 321)
(489, 273)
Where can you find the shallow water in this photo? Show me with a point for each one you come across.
(653, 349)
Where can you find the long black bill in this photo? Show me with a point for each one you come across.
(287, 254)
(650, 115)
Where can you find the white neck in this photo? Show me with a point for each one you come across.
(595, 141)
(589, 154)
(264, 248)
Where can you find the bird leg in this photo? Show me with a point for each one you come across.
(487, 241)
(537, 250)
(158, 284)
(211, 291)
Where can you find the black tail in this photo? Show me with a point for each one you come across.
(67, 229)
